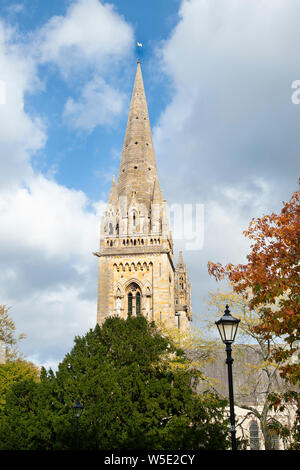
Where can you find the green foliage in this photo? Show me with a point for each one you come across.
(12, 373)
(133, 398)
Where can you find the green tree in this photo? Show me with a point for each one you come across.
(133, 398)
(14, 372)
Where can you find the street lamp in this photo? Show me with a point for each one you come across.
(227, 326)
(78, 407)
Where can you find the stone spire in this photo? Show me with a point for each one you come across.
(138, 171)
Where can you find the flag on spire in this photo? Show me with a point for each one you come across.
(139, 50)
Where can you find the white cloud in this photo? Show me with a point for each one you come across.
(14, 8)
(91, 33)
(231, 118)
(21, 135)
(51, 321)
(98, 106)
(225, 219)
(91, 39)
(49, 218)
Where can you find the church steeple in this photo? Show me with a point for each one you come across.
(136, 262)
(138, 171)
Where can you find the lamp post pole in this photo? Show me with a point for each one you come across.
(77, 433)
(229, 362)
(227, 326)
(78, 407)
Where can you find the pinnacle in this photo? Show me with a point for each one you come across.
(180, 260)
(113, 195)
(156, 198)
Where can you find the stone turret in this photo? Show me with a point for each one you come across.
(183, 305)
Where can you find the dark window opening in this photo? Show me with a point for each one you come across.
(254, 436)
(129, 304)
(274, 441)
(138, 303)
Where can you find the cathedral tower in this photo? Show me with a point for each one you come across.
(136, 267)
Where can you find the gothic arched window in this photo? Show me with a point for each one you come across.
(110, 229)
(138, 303)
(275, 441)
(254, 436)
(134, 299)
(129, 304)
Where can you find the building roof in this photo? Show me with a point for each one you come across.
(249, 377)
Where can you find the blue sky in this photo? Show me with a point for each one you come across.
(67, 152)
(218, 79)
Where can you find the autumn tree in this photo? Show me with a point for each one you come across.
(7, 335)
(270, 282)
(198, 347)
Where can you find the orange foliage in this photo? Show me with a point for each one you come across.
(270, 279)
